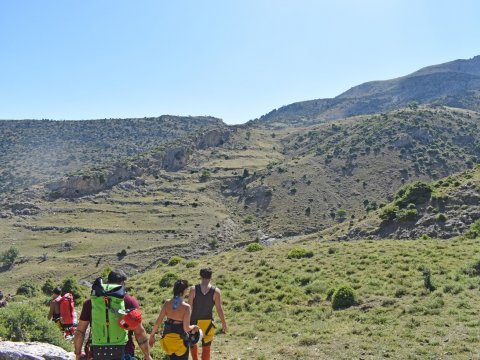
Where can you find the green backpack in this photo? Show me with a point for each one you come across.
(108, 306)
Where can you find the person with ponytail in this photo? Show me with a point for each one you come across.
(176, 326)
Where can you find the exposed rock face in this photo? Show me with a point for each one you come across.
(32, 351)
(80, 185)
(24, 208)
(260, 195)
(173, 158)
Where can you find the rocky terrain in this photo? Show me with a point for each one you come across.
(449, 211)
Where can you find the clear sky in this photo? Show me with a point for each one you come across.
(233, 59)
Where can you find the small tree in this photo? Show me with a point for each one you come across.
(48, 287)
(427, 281)
(343, 298)
(70, 285)
(8, 257)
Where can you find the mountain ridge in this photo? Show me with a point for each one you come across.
(455, 83)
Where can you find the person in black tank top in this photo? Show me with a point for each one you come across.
(202, 298)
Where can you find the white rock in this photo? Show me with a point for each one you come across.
(32, 351)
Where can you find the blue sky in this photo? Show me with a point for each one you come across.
(233, 59)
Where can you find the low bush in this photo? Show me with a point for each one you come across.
(71, 285)
(416, 193)
(174, 260)
(27, 289)
(441, 217)
(48, 287)
(343, 298)
(168, 279)
(299, 253)
(474, 230)
(24, 322)
(254, 247)
(330, 293)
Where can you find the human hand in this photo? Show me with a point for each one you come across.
(224, 327)
(151, 341)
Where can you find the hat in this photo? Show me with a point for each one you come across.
(116, 276)
(131, 320)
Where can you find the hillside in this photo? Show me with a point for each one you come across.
(277, 306)
(454, 84)
(34, 151)
(338, 172)
(226, 187)
(442, 209)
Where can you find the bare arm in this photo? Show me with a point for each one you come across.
(191, 297)
(142, 340)
(217, 297)
(186, 320)
(157, 325)
(79, 337)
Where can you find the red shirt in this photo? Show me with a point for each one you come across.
(130, 303)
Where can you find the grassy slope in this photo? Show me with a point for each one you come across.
(269, 298)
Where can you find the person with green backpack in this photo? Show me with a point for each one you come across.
(113, 316)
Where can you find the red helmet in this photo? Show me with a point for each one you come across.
(130, 320)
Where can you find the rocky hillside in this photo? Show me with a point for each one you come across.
(33, 151)
(455, 84)
(442, 209)
(338, 172)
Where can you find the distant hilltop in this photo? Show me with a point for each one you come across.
(454, 84)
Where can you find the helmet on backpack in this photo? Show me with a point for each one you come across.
(131, 320)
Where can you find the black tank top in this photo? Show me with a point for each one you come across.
(202, 305)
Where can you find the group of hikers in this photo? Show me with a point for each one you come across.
(114, 319)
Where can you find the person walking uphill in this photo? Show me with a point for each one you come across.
(202, 298)
(175, 339)
(114, 318)
(54, 313)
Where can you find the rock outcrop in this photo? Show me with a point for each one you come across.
(32, 351)
(170, 158)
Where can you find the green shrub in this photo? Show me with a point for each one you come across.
(248, 219)
(9, 256)
(474, 230)
(174, 260)
(407, 214)
(206, 175)
(299, 253)
(441, 217)
(388, 213)
(70, 285)
(48, 287)
(254, 247)
(168, 279)
(473, 270)
(427, 280)
(416, 193)
(25, 322)
(27, 289)
(190, 264)
(343, 298)
(330, 293)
